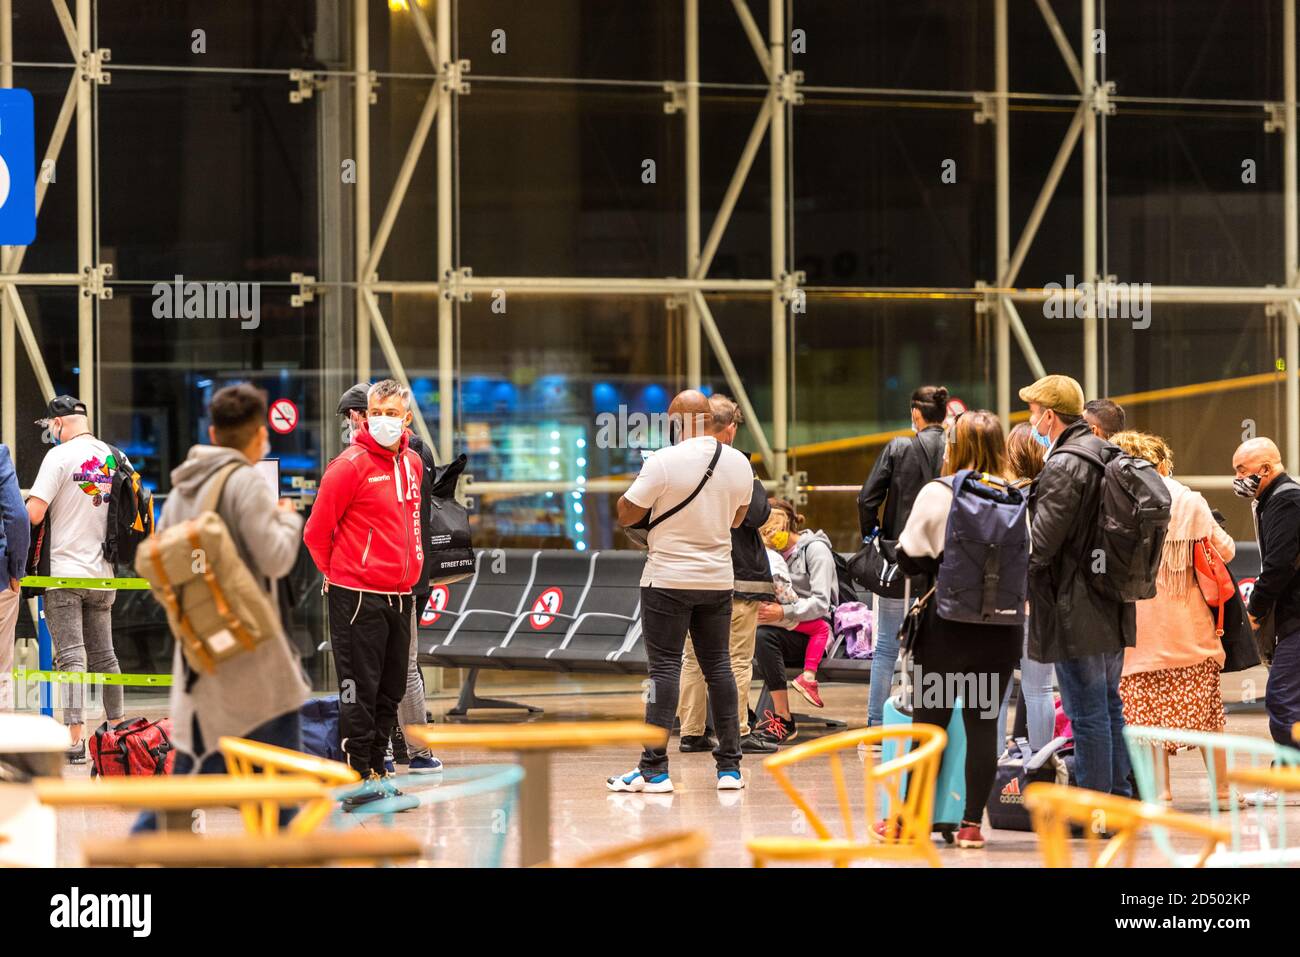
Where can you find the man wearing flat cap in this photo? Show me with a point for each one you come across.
(1071, 625)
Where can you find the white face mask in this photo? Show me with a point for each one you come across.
(386, 429)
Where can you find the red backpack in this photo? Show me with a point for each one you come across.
(135, 747)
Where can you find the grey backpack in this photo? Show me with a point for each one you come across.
(983, 578)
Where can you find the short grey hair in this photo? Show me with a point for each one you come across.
(725, 411)
(386, 387)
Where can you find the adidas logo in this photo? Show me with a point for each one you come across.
(1011, 793)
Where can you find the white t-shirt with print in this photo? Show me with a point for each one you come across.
(75, 480)
(692, 549)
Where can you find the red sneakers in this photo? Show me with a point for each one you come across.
(808, 688)
(969, 836)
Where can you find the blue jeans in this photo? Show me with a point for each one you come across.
(884, 657)
(1282, 694)
(284, 731)
(1090, 696)
(1040, 702)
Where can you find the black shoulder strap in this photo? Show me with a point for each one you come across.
(708, 474)
(1086, 454)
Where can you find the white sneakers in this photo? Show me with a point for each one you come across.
(635, 781)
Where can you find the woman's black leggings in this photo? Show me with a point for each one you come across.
(983, 737)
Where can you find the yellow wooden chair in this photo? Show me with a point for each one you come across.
(1054, 807)
(907, 783)
(246, 758)
(677, 849)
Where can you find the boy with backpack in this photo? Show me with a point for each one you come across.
(79, 507)
(218, 497)
(1083, 579)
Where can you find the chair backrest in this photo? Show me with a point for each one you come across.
(246, 758)
(675, 849)
(1267, 839)
(1111, 825)
(501, 581)
(446, 602)
(908, 804)
(560, 584)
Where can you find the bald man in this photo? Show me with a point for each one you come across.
(1275, 502)
(693, 493)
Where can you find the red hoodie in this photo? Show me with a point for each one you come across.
(364, 529)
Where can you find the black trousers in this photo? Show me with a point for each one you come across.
(371, 637)
(774, 649)
(666, 615)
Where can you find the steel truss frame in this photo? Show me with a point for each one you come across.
(455, 281)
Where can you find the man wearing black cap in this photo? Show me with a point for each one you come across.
(70, 495)
(353, 406)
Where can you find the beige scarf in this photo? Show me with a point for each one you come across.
(1189, 522)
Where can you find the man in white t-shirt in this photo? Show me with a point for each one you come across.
(71, 495)
(688, 580)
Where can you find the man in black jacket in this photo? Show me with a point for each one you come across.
(411, 710)
(753, 585)
(1071, 624)
(1275, 505)
(904, 465)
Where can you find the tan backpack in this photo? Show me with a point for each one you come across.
(214, 604)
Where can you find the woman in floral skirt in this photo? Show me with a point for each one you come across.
(1171, 677)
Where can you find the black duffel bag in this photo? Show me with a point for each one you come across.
(875, 568)
(447, 538)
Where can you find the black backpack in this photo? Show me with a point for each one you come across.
(130, 510)
(1132, 518)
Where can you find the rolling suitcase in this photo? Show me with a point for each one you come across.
(950, 787)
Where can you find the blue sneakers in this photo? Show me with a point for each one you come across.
(730, 781)
(426, 764)
(636, 781)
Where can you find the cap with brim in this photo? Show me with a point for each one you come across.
(62, 405)
(1059, 393)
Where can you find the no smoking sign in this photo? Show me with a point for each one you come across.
(283, 416)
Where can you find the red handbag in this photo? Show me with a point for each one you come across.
(1212, 575)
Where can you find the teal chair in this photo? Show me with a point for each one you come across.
(1258, 836)
(465, 812)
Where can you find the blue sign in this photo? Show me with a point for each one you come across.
(17, 168)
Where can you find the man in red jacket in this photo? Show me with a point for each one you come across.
(364, 535)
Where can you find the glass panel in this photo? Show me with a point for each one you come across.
(1179, 212)
(1195, 48)
(53, 315)
(157, 376)
(616, 39)
(552, 184)
(206, 176)
(237, 34)
(880, 212)
(856, 364)
(1204, 377)
(925, 44)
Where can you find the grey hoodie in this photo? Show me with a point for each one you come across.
(812, 573)
(249, 689)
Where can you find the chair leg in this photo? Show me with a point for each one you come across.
(469, 699)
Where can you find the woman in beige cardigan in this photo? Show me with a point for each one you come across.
(1171, 677)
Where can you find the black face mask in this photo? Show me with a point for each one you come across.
(674, 432)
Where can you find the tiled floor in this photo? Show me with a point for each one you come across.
(586, 816)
